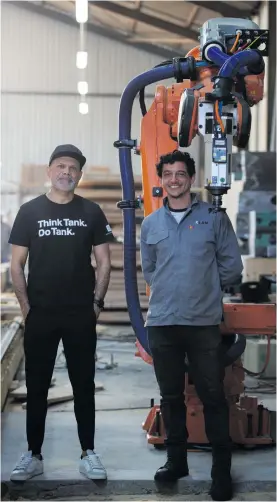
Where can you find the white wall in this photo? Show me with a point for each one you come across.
(38, 81)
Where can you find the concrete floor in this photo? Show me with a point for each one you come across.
(131, 463)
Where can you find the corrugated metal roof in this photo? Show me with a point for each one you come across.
(40, 55)
(163, 27)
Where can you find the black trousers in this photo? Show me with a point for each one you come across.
(43, 332)
(202, 345)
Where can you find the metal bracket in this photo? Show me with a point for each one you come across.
(129, 204)
(125, 143)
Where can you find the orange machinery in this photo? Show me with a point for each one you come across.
(216, 85)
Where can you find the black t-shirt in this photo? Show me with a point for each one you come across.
(60, 238)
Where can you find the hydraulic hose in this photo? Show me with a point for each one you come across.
(243, 62)
(234, 346)
(247, 62)
(249, 58)
(216, 55)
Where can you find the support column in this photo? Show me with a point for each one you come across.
(258, 141)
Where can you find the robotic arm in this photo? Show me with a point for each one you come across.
(216, 84)
(217, 108)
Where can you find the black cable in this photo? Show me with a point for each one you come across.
(142, 101)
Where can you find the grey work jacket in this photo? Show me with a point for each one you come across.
(187, 264)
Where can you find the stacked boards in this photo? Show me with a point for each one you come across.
(107, 192)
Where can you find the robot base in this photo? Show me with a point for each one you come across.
(249, 421)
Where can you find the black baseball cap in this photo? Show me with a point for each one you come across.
(68, 151)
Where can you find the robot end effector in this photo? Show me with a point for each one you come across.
(217, 108)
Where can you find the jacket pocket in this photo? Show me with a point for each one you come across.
(159, 240)
(156, 237)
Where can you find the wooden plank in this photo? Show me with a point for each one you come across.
(118, 289)
(117, 258)
(114, 304)
(116, 284)
(120, 286)
(120, 282)
(33, 175)
(109, 181)
(18, 391)
(116, 317)
(93, 172)
(119, 232)
(119, 264)
(56, 394)
(115, 300)
(116, 274)
(100, 195)
(5, 273)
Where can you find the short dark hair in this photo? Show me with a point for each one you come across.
(176, 156)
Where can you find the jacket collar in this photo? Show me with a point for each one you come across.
(194, 201)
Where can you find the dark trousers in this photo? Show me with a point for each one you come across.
(43, 332)
(169, 346)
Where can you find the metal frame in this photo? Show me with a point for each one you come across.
(160, 45)
(107, 95)
(98, 30)
(137, 15)
(225, 9)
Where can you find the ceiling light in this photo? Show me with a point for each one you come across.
(81, 60)
(81, 11)
(83, 108)
(83, 88)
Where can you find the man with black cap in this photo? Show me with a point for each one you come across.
(61, 301)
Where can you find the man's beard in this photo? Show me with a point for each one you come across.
(65, 187)
(180, 195)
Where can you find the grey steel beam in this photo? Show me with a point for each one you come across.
(98, 30)
(154, 21)
(223, 8)
(64, 94)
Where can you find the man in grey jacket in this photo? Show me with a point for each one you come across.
(189, 254)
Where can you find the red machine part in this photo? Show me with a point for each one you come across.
(250, 423)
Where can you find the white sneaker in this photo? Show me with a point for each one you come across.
(92, 467)
(27, 467)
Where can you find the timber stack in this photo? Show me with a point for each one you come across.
(105, 189)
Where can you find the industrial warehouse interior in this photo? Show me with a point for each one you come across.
(123, 83)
